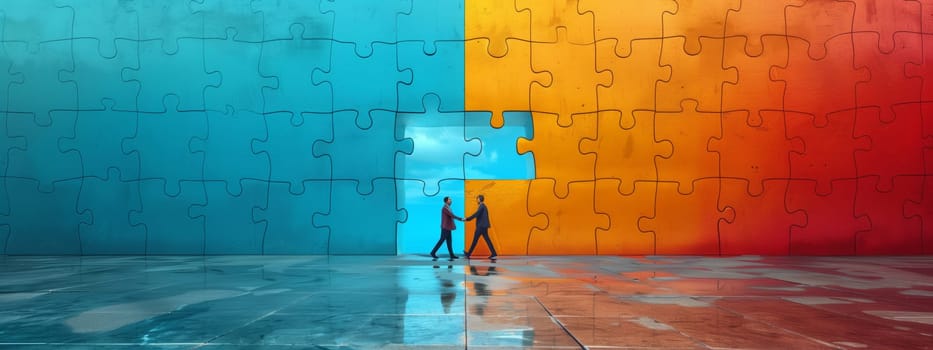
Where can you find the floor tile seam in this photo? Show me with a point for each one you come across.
(772, 325)
(66, 289)
(264, 316)
(466, 310)
(560, 324)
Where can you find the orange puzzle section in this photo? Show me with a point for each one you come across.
(720, 127)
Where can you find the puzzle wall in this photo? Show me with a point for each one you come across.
(592, 126)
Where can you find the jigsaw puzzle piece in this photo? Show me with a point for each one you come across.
(362, 223)
(41, 91)
(824, 86)
(754, 90)
(926, 76)
(923, 209)
(626, 149)
(889, 86)
(41, 158)
(743, 144)
(228, 155)
(162, 145)
(922, 71)
(169, 228)
(440, 74)
(104, 22)
(831, 222)
(110, 201)
(687, 223)
(221, 16)
(762, 223)
(432, 22)
(228, 224)
(689, 131)
(890, 233)
(507, 201)
(631, 75)
(926, 13)
(896, 145)
(698, 77)
(289, 228)
(572, 219)
(363, 83)
(97, 141)
(439, 146)
(241, 83)
(288, 145)
(623, 237)
(181, 73)
(498, 158)
(754, 23)
(622, 24)
(495, 22)
(363, 23)
(556, 150)
(486, 90)
(7, 77)
(816, 23)
(363, 153)
(278, 16)
(20, 22)
(43, 223)
(165, 24)
(823, 144)
(574, 79)
(548, 15)
(8, 143)
(292, 61)
(97, 77)
(697, 19)
(886, 19)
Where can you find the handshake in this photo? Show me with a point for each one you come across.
(460, 219)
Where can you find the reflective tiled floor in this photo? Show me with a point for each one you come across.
(516, 302)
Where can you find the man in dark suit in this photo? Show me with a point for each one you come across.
(482, 227)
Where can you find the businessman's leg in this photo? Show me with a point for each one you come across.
(492, 249)
(439, 242)
(447, 237)
(475, 239)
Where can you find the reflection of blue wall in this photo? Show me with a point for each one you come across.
(225, 127)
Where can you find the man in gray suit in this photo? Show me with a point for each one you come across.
(482, 227)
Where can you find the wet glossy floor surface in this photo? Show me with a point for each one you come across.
(516, 302)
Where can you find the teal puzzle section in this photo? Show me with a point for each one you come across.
(236, 126)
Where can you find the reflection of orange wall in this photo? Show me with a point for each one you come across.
(654, 134)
